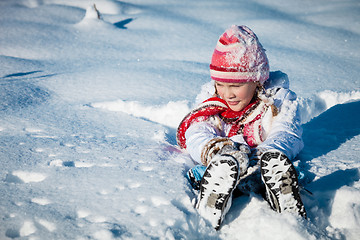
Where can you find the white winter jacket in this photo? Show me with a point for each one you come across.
(282, 132)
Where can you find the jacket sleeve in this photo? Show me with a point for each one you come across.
(197, 135)
(200, 133)
(286, 131)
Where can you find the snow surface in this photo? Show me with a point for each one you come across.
(89, 109)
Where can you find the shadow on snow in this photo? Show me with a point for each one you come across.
(323, 134)
(328, 131)
(17, 91)
(121, 24)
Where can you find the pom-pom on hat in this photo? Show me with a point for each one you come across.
(239, 57)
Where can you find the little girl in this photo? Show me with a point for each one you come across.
(251, 117)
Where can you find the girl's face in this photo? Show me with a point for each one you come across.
(237, 95)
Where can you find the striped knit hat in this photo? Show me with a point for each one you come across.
(239, 57)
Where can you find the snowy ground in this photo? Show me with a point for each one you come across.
(89, 110)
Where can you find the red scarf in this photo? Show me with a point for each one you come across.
(240, 125)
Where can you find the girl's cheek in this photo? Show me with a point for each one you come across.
(219, 91)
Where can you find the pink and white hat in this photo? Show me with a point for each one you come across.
(239, 57)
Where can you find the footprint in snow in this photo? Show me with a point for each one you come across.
(86, 214)
(12, 233)
(51, 227)
(39, 150)
(146, 168)
(83, 213)
(57, 163)
(158, 201)
(24, 177)
(134, 185)
(38, 133)
(28, 228)
(141, 209)
(81, 164)
(97, 219)
(41, 201)
(78, 164)
(33, 130)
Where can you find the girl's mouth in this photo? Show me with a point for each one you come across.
(232, 103)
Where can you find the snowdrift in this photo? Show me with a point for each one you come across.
(90, 99)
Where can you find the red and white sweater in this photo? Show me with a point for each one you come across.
(258, 125)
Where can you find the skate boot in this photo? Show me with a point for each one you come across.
(281, 183)
(217, 186)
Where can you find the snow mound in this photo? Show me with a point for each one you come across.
(169, 115)
(93, 19)
(25, 177)
(113, 170)
(322, 101)
(347, 199)
(309, 107)
(173, 112)
(104, 6)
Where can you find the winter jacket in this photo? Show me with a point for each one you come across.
(258, 126)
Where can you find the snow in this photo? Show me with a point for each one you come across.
(89, 109)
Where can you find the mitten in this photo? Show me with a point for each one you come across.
(225, 146)
(240, 153)
(212, 147)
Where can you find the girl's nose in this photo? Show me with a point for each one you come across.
(229, 93)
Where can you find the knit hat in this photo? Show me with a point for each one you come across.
(239, 57)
